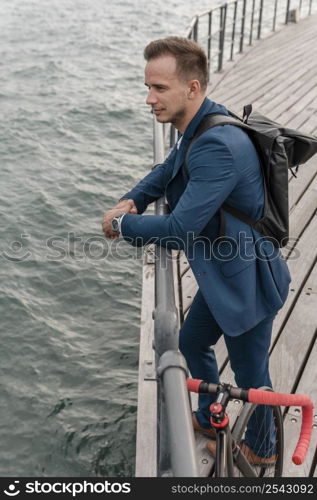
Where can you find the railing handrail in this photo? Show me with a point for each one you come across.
(173, 415)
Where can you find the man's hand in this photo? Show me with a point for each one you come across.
(123, 207)
(127, 206)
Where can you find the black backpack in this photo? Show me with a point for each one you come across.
(280, 149)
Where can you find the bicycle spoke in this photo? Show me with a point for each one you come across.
(265, 424)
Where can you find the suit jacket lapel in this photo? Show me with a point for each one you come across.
(180, 157)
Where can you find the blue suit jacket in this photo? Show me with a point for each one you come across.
(242, 278)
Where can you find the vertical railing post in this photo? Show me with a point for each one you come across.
(195, 30)
(260, 19)
(287, 11)
(223, 17)
(172, 372)
(233, 29)
(209, 42)
(310, 7)
(251, 24)
(242, 25)
(274, 16)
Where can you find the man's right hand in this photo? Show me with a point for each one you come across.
(123, 207)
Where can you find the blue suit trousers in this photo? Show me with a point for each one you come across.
(249, 359)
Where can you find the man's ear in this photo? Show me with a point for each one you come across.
(194, 88)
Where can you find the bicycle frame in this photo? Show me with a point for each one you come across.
(228, 452)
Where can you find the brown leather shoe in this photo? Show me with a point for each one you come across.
(211, 433)
(255, 459)
(252, 458)
(211, 447)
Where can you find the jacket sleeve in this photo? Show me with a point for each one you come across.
(212, 177)
(152, 186)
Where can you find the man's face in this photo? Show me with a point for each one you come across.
(167, 95)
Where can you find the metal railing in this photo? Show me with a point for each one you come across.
(225, 30)
(176, 453)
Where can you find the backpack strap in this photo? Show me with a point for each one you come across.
(211, 121)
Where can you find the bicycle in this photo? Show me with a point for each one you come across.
(231, 458)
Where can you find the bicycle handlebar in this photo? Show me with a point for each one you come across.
(269, 398)
(277, 399)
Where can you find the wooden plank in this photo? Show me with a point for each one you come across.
(305, 176)
(297, 103)
(310, 124)
(296, 119)
(264, 81)
(301, 214)
(271, 93)
(276, 103)
(296, 338)
(253, 89)
(300, 262)
(269, 51)
(299, 116)
(307, 385)
(292, 422)
(146, 438)
(189, 289)
(183, 263)
(267, 76)
(175, 257)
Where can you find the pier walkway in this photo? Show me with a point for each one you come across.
(279, 77)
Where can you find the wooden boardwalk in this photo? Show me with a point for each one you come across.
(279, 77)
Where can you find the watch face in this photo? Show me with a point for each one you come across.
(115, 225)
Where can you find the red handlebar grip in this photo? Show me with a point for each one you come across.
(193, 384)
(305, 434)
(277, 399)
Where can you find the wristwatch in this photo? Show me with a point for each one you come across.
(116, 223)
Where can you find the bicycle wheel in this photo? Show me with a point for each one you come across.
(268, 422)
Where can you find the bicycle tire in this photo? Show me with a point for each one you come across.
(239, 429)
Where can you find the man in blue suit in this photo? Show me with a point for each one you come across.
(242, 278)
